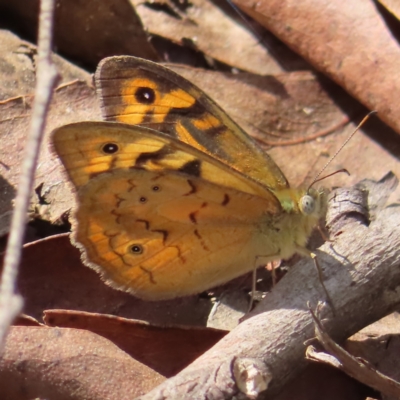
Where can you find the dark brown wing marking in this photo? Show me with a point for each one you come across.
(119, 200)
(92, 175)
(131, 184)
(192, 217)
(194, 111)
(226, 200)
(148, 118)
(151, 278)
(214, 131)
(193, 188)
(192, 168)
(154, 156)
(146, 223)
(197, 234)
(117, 216)
(163, 232)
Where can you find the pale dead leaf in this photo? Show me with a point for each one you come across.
(211, 31)
(348, 41)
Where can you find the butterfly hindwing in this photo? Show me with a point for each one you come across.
(162, 235)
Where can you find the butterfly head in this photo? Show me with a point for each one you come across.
(306, 202)
(303, 208)
(313, 202)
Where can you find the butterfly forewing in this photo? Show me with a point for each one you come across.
(88, 149)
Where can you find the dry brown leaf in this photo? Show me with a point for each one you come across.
(74, 100)
(166, 350)
(17, 67)
(57, 363)
(99, 28)
(379, 344)
(336, 356)
(208, 29)
(71, 103)
(348, 41)
(26, 320)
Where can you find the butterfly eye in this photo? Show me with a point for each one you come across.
(110, 148)
(156, 188)
(307, 204)
(136, 249)
(145, 95)
(143, 199)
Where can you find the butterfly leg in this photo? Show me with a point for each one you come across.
(254, 277)
(253, 288)
(308, 253)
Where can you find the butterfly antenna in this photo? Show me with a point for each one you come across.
(317, 178)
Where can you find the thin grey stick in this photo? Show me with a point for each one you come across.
(10, 302)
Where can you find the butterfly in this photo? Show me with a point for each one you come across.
(173, 197)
